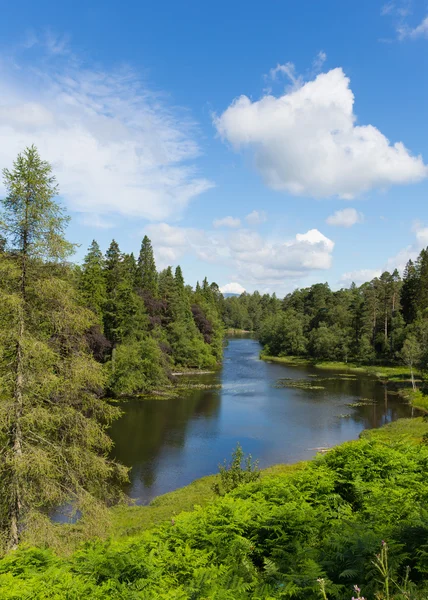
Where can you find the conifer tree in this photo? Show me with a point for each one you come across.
(92, 283)
(52, 424)
(409, 293)
(422, 271)
(147, 277)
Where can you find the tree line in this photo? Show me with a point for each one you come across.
(383, 320)
(70, 336)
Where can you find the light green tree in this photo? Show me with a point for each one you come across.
(53, 436)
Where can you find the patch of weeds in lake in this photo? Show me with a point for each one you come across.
(362, 402)
(298, 384)
(345, 416)
(198, 386)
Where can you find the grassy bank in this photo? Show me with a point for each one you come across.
(272, 538)
(237, 331)
(397, 373)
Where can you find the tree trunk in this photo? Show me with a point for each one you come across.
(413, 378)
(16, 441)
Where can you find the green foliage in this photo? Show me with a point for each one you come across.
(147, 277)
(278, 537)
(383, 321)
(136, 367)
(53, 422)
(92, 284)
(240, 470)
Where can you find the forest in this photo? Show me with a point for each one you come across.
(383, 321)
(75, 338)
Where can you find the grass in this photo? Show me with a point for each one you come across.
(133, 520)
(396, 373)
(233, 331)
(416, 398)
(403, 430)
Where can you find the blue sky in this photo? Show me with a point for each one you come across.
(269, 145)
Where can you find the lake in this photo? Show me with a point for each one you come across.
(170, 442)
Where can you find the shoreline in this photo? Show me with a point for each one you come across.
(129, 520)
(394, 376)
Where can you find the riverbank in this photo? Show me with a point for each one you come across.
(394, 376)
(397, 373)
(133, 520)
(193, 540)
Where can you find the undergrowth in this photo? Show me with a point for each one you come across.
(272, 538)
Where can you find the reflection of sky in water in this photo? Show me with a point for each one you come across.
(170, 443)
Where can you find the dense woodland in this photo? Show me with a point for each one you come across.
(384, 320)
(72, 338)
(148, 323)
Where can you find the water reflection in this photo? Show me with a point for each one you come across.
(169, 443)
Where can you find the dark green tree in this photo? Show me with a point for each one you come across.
(147, 277)
(409, 292)
(92, 284)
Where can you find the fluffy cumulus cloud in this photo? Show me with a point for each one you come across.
(307, 142)
(116, 146)
(227, 222)
(345, 218)
(256, 217)
(232, 288)
(251, 258)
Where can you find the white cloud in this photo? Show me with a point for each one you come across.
(252, 258)
(398, 261)
(319, 61)
(116, 146)
(256, 217)
(360, 276)
(232, 288)
(289, 70)
(412, 251)
(345, 218)
(306, 142)
(420, 31)
(227, 222)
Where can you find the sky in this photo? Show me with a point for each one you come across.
(266, 145)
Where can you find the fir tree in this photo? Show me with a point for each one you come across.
(52, 425)
(409, 293)
(147, 277)
(92, 283)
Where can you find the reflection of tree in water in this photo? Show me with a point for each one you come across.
(149, 427)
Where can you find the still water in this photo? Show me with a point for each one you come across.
(169, 443)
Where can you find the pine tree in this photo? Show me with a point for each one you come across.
(422, 271)
(92, 283)
(409, 293)
(147, 277)
(52, 425)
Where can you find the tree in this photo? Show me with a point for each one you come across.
(52, 423)
(92, 283)
(147, 277)
(411, 355)
(409, 293)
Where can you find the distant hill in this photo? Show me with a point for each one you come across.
(230, 295)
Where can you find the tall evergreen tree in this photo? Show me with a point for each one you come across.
(422, 271)
(147, 277)
(409, 293)
(92, 282)
(52, 425)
